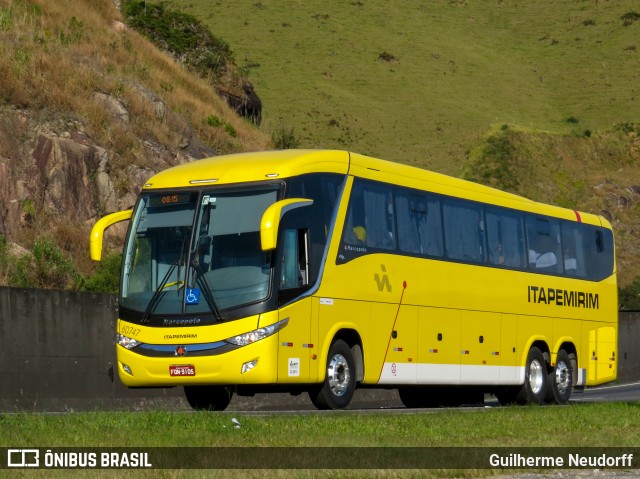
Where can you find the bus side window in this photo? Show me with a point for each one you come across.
(573, 250)
(354, 228)
(505, 239)
(419, 224)
(543, 238)
(379, 217)
(598, 247)
(370, 218)
(295, 259)
(463, 231)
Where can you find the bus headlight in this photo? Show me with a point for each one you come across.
(257, 334)
(126, 342)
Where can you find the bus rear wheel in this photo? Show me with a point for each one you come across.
(208, 398)
(534, 389)
(560, 380)
(339, 383)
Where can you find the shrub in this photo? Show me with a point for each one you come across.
(630, 17)
(285, 139)
(387, 57)
(184, 36)
(28, 212)
(629, 296)
(494, 163)
(3, 247)
(74, 35)
(106, 279)
(6, 18)
(231, 131)
(628, 127)
(46, 268)
(214, 121)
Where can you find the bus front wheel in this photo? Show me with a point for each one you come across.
(534, 389)
(339, 383)
(208, 398)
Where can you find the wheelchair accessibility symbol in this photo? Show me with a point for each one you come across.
(193, 296)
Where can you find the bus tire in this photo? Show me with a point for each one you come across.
(339, 383)
(560, 380)
(534, 389)
(208, 398)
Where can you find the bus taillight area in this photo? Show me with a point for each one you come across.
(255, 363)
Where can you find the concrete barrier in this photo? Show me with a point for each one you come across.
(57, 353)
(629, 346)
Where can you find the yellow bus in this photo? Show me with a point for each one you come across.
(322, 271)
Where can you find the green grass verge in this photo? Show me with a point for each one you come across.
(577, 425)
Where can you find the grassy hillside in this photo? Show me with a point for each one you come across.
(598, 173)
(55, 55)
(538, 98)
(420, 82)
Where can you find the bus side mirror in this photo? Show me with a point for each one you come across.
(97, 232)
(271, 220)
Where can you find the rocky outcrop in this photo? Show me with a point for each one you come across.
(113, 105)
(245, 101)
(61, 176)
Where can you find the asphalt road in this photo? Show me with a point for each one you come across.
(614, 393)
(376, 399)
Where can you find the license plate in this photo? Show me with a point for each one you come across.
(182, 370)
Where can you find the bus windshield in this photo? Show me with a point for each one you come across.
(195, 253)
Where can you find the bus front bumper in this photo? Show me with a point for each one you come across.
(255, 363)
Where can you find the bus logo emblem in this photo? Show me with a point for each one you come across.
(383, 283)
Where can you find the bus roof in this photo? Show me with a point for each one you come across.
(251, 167)
(270, 165)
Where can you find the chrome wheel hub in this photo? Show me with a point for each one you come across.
(536, 377)
(562, 377)
(338, 375)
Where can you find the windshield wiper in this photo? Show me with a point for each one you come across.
(208, 294)
(157, 295)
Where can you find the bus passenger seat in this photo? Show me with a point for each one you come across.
(533, 257)
(571, 265)
(546, 260)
